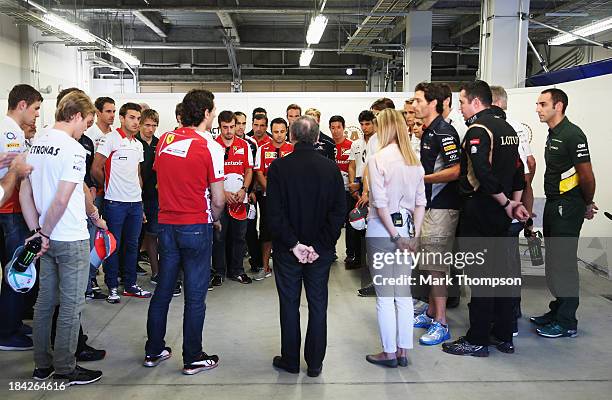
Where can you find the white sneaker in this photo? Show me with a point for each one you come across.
(260, 276)
(113, 296)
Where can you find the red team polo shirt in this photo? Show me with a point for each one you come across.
(343, 151)
(264, 140)
(268, 153)
(239, 156)
(186, 166)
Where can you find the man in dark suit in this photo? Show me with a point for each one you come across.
(306, 203)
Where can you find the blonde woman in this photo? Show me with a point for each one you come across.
(397, 207)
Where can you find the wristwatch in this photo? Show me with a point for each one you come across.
(395, 238)
(507, 203)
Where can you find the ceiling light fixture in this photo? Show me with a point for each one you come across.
(588, 30)
(316, 29)
(306, 57)
(349, 71)
(124, 56)
(69, 28)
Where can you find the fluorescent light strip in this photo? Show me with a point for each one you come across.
(86, 37)
(123, 56)
(589, 30)
(69, 28)
(316, 29)
(306, 57)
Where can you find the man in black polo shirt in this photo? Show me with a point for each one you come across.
(492, 181)
(440, 159)
(569, 185)
(149, 120)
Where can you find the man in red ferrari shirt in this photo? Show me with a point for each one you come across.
(238, 176)
(278, 147)
(343, 151)
(190, 186)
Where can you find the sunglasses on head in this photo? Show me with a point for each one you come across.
(227, 150)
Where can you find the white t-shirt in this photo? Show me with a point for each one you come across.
(371, 147)
(524, 148)
(12, 139)
(95, 134)
(456, 120)
(359, 155)
(56, 157)
(123, 158)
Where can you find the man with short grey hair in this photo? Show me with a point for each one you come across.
(306, 203)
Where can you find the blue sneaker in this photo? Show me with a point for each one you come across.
(554, 330)
(436, 334)
(423, 320)
(17, 342)
(419, 307)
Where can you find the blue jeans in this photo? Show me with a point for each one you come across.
(187, 247)
(12, 303)
(124, 221)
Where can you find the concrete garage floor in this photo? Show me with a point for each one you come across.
(242, 327)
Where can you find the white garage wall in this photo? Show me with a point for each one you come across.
(59, 66)
(589, 104)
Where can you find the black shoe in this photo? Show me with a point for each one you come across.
(80, 376)
(355, 264)
(140, 271)
(367, 291)
(203, 363)
(90, 354)
(242, 278)
(349, 259)
(314, 372)
(504, 347)
(217, 280)
(402, 361)
(461, 347)
(153, 361)
(254, 270)
(210, 285)
(178, 289)
(41, 374)
(542, 320)
(453, 302)
(95, 295)
(94, 284)
(385, 363)
(280, 363)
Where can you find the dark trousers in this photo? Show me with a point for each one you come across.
(14, 231)
(124, 222)
(484, 225)
(563, 220)
(289, 275)
(253, 242)
(351, 238)
(514, 259)
(189, 247)
(232, 235)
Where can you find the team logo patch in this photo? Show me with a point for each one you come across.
(10, 136)
(238, 150)
(450, 147)
(170, 138)
(270, 154)
(475, 141)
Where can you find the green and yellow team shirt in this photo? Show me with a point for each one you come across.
(566, 146)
